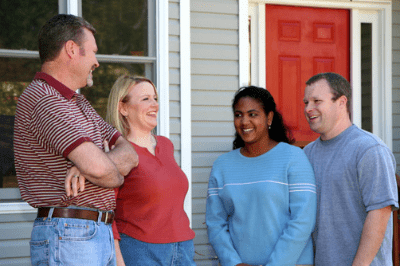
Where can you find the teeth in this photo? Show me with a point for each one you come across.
(247, 130)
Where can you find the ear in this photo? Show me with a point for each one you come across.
(343, 101)
(71, 48)
(270, 118)
(122, 109)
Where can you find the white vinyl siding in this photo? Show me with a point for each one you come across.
(396, 80)
(215, 78)
(15, 232)
(174, 78)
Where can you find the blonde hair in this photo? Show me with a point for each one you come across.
(119, 93)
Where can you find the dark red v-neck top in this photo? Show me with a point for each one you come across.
(150, 202)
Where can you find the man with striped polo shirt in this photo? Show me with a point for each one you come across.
(59, 135)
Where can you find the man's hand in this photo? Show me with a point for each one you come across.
(74, 182)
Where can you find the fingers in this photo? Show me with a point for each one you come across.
(74, 182)
(106, 148)
(68, 185)
(81, 183)
(75, 185)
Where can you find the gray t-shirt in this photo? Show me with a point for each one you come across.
(355, 173)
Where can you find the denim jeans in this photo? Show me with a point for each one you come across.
(67, 241)
(136, 252)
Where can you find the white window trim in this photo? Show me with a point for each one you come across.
(382, 74)
(162, 66)
(185, 101)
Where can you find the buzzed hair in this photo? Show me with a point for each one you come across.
(57, 31)
(338, 84)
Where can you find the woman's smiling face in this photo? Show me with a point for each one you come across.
(251, 122)
(141, 109)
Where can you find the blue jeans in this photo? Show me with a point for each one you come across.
(136, 252)
(67, 241)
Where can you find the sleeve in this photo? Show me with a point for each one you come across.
(217, 224)
(108, 132)
(303, 211)
(377, 178)
(52, 123)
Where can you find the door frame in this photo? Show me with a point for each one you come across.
(379, 13)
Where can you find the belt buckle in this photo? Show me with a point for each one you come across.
(106, 219)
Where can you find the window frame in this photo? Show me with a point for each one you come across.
(156, 68)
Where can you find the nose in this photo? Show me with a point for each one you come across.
(154, 102)
(244, 119)
(308, 107)
(96, 64)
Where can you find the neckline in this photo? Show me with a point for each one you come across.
(261, 155)
(145, 148)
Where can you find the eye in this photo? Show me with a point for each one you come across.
(145, 98)
(238, 115)
(156, 99)
(253, 114)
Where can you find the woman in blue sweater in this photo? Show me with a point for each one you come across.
(261, 203)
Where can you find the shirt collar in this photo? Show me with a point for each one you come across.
(61, 88)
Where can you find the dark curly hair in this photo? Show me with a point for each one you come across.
(278, 132)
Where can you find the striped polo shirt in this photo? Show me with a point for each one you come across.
(51, 120)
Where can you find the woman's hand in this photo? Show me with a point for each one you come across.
(74, 182)
(118, 254)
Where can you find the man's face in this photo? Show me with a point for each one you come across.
(87, 57)
(322, 113)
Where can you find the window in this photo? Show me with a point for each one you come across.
(126, 38)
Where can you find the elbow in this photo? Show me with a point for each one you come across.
(131, 162)
(107, 176)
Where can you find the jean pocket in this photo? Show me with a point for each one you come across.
(79, 231)
(39, 252)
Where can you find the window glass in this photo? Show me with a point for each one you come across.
(21, 21)
(121, 25)
(366, 76)
(15, 75)
(104, 77)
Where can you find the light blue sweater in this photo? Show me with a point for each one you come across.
(261, 210)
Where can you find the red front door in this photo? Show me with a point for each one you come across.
(301, 42)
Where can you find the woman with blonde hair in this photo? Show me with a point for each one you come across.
(152, 227)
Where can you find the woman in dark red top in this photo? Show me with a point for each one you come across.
(152, 226)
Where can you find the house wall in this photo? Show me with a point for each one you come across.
(215, 78)
(174, 76)
(396, 80)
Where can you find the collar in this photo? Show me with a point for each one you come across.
(61, 88)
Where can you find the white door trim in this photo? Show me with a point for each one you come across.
(378, 11)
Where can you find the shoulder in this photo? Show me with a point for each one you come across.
(363, 142)
(164, 141)
(290, 150)
(227, 158)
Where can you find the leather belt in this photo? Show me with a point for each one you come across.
(106, 217)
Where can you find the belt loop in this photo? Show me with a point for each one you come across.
(50, 215)
(99, 218)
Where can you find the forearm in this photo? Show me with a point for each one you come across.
(124, 156)
(372, 235)
(118, 254)
(95, 165)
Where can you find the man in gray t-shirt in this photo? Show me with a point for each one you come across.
(355, 178)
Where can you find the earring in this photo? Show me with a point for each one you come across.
(269, 126)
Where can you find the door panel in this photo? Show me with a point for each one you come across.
(301, 42)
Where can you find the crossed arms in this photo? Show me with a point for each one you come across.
(104, 169)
